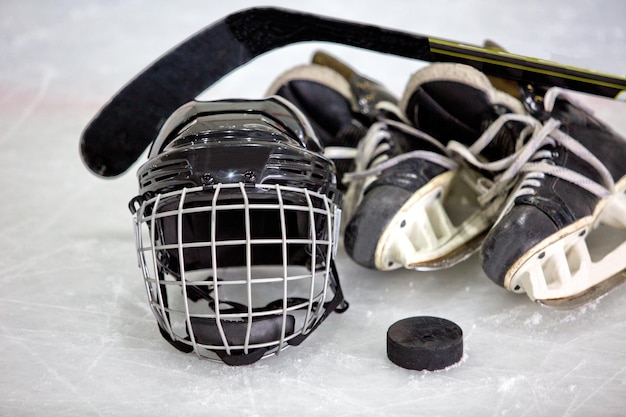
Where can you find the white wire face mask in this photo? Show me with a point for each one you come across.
(236, 231)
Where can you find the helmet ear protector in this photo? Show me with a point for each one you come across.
(236, 224)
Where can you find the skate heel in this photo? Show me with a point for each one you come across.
(580, 266)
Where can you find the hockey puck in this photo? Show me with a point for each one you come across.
(424, 343)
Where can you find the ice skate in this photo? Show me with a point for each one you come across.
(339, 103)
(561, 237)
(443, 220)
(389, 164)
(394, 196)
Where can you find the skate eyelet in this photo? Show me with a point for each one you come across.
(403, 224)
(582, 233)
(542, 255)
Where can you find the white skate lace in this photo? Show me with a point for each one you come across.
(532, 159)
(371, 156)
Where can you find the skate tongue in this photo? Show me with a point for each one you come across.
(368, 93)
(594, 293)
(504, 142)
(508, 86)
(327, 60)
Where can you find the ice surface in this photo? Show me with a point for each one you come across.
(76, 335)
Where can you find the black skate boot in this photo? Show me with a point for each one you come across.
(572, 179)
(339, 103)
(400, 175)
(457, 104)
(389, 162)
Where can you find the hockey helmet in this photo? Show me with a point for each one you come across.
(237, 223)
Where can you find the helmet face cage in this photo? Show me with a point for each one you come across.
(238, 271)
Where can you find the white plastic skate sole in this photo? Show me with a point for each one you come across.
(423, 236)
(561, 271)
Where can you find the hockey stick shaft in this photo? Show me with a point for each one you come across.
(305, 27)
(128, 123)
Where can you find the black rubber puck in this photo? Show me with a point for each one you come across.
(424, 343)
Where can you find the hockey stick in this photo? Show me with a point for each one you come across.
(128, 123)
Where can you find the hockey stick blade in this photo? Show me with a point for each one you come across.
(128, 123)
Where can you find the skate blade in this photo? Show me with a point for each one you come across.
(569, 269)
(591, 294)
(452, 258)
(426, 235)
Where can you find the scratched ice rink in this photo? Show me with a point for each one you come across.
(77, 337)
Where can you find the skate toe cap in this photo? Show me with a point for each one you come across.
(370, 220)
(513, 236)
